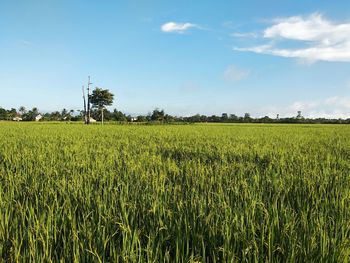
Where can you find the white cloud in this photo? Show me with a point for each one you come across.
(244, 35)
(347, 84)
(343, 102)
(233, 73)
(172, 27)
(332, 107)
(318, 38)
(335, 114)
(303, 105)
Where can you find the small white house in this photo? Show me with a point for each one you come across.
(17, 118)
(38, 117)
(92, 120)
(133, 119)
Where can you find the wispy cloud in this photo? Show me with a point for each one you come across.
(319, 39)
(23, 43)
(244, 35)
(232, 73)
(228, 24)
(172, 27)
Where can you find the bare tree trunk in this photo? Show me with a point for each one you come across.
(88, 101)
(102, 114)
(88, 108)
(85, 117)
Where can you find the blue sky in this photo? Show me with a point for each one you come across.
(187, 57)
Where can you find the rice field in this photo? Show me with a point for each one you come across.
(174, 193)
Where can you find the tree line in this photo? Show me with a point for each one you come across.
(94, 109)
(157, 116)
(63, 115)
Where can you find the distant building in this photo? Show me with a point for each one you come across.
(92, 120)
(17, 118)
(133, 119)
(38, 117)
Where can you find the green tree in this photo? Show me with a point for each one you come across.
(224, 117)
(12, 114)
(3, 114)
(31, 114)
(157, 115)
(22, 110)
(118, 116)
(64, 114)
(141, 118)
(247, 117)
(233, 118)
(55, 116)
(100, 98)
(35, 111)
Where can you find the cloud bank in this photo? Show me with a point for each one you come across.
(172, 27)
(318, 39)
(331, 107)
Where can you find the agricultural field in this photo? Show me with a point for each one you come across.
(174, 193)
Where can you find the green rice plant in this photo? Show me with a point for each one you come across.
(177, 193)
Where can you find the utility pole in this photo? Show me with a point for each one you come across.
(88, 102)
(85, 117)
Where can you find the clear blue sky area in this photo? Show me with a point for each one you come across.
(187, 57)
